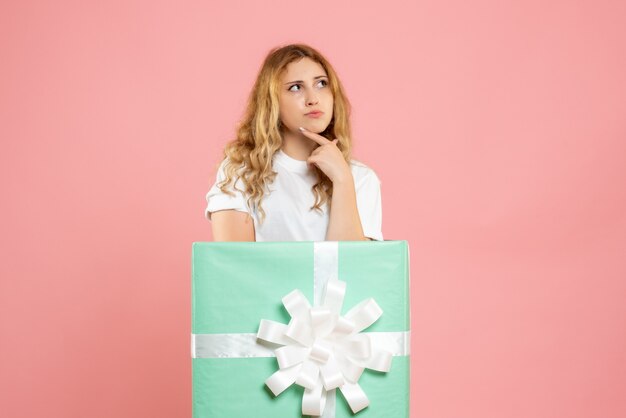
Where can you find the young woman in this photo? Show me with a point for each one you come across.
(288, 175)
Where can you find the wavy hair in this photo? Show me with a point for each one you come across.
(258, 134)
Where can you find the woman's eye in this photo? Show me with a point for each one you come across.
(325, 83)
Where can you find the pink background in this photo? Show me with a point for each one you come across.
(498, 130)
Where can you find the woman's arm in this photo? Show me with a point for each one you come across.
(232, 225)
(344, 223)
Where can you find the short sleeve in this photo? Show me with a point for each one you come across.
(369, 205)
(218, 200)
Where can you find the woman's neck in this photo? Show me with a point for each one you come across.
(297, 146)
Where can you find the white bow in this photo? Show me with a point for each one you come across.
(322, 350)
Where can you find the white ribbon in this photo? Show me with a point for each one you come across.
(246, 345)
(320, 349)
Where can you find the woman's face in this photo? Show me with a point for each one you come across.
(304, 88)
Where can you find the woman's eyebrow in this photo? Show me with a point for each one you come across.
(300, 81)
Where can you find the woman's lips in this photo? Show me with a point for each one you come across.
(314, 114)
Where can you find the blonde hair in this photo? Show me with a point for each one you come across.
(258, 135)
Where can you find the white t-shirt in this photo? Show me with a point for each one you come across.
(288, 216)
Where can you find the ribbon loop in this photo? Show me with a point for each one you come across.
(357, 346)
(273, 332)
(296, 304)
(356, 398)
(322, 320)
(314, 401)
(290, 355)
(308, 375)
(300, 331)
(331, 374)
(320, 353)
(364, 314)
(343, 327)
(282, 379)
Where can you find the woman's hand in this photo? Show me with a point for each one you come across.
(328, 158)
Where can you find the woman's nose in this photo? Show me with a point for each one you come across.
(312, 98)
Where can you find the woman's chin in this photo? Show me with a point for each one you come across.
(316, 126)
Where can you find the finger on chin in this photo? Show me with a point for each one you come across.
(315, 137)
